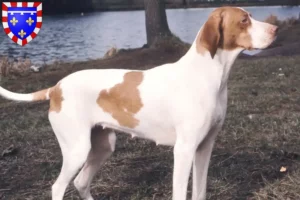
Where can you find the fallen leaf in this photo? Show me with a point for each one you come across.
(283, 169)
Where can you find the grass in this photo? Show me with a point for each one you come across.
(260, 135)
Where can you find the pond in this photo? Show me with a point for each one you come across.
(78, 38)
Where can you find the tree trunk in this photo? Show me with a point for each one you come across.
(185, 2)
(156, 21)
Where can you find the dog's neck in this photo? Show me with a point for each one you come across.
(226, 59)
(223, 58)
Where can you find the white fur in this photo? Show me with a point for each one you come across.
(184, 105)
(259, 34)
(15, 96)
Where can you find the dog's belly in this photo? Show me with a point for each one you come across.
(154, 126)
(161, 136)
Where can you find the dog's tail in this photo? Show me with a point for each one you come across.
(41, 95)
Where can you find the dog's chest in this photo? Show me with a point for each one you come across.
(220, 110)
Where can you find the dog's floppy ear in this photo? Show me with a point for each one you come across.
(210, 34)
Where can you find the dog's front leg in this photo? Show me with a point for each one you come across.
(183, 158)
(201, 164)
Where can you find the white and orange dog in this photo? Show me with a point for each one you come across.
(181, 104)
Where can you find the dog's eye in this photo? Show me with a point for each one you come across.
(245, 20)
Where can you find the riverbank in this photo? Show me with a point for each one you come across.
(286, 44)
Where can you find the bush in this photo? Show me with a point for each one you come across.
(273, 19)
(16, 67)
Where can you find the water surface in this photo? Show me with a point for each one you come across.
(78, 38)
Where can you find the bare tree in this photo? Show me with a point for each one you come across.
(156, 21)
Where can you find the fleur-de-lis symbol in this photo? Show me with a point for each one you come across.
(14, 21)
(29, 21)
(22, 33)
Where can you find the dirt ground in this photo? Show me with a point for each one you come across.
(259, 137)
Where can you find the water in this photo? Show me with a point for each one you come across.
(79, 38)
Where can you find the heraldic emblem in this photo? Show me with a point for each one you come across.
(22, 21)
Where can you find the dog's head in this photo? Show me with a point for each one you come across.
(230, 28)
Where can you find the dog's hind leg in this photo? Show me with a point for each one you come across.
(103, 144)
(74, 140)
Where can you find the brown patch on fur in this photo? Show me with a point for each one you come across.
(40, 95)
(123, 100)
(226, 28)
(56, 98)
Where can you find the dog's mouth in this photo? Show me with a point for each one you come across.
(268, 43)
(272, 40)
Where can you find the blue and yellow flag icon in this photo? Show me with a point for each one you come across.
(22, 21)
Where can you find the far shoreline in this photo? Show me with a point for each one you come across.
(174, 6)
(117, 8)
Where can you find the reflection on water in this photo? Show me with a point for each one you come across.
(76, 37)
